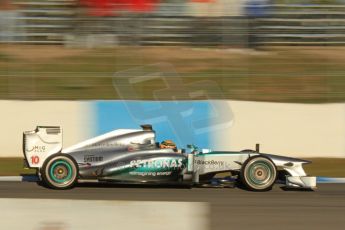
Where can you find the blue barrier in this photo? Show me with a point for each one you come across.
(184, 122)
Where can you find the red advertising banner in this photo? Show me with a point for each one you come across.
(109, 7)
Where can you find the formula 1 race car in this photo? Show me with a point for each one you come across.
(129, 156)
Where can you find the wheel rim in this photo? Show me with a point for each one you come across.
(260, 174)
(61, 171)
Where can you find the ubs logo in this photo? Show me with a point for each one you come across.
(37, 149)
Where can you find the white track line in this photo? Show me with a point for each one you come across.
(11, 178)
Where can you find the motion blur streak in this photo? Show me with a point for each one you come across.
(43, 214)
(229, 208)
(245, 47)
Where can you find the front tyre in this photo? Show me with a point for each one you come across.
(60, 172)
(258, 173)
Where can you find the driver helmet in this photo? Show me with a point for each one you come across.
(167, 144)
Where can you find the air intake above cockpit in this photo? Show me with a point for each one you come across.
(146, 127)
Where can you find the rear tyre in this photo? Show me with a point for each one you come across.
(60, 172)
(258, 173)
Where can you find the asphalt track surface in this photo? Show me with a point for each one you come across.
(230, 208)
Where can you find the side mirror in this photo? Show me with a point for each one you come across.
(257, 148)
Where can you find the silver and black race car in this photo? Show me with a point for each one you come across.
(133, 156)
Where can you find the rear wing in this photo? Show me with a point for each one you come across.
(41, 143)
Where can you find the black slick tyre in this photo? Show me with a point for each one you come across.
(60, 171)
(258, 173)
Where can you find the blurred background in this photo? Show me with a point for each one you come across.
(222, 74)
(257, 50)
(281, 51)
